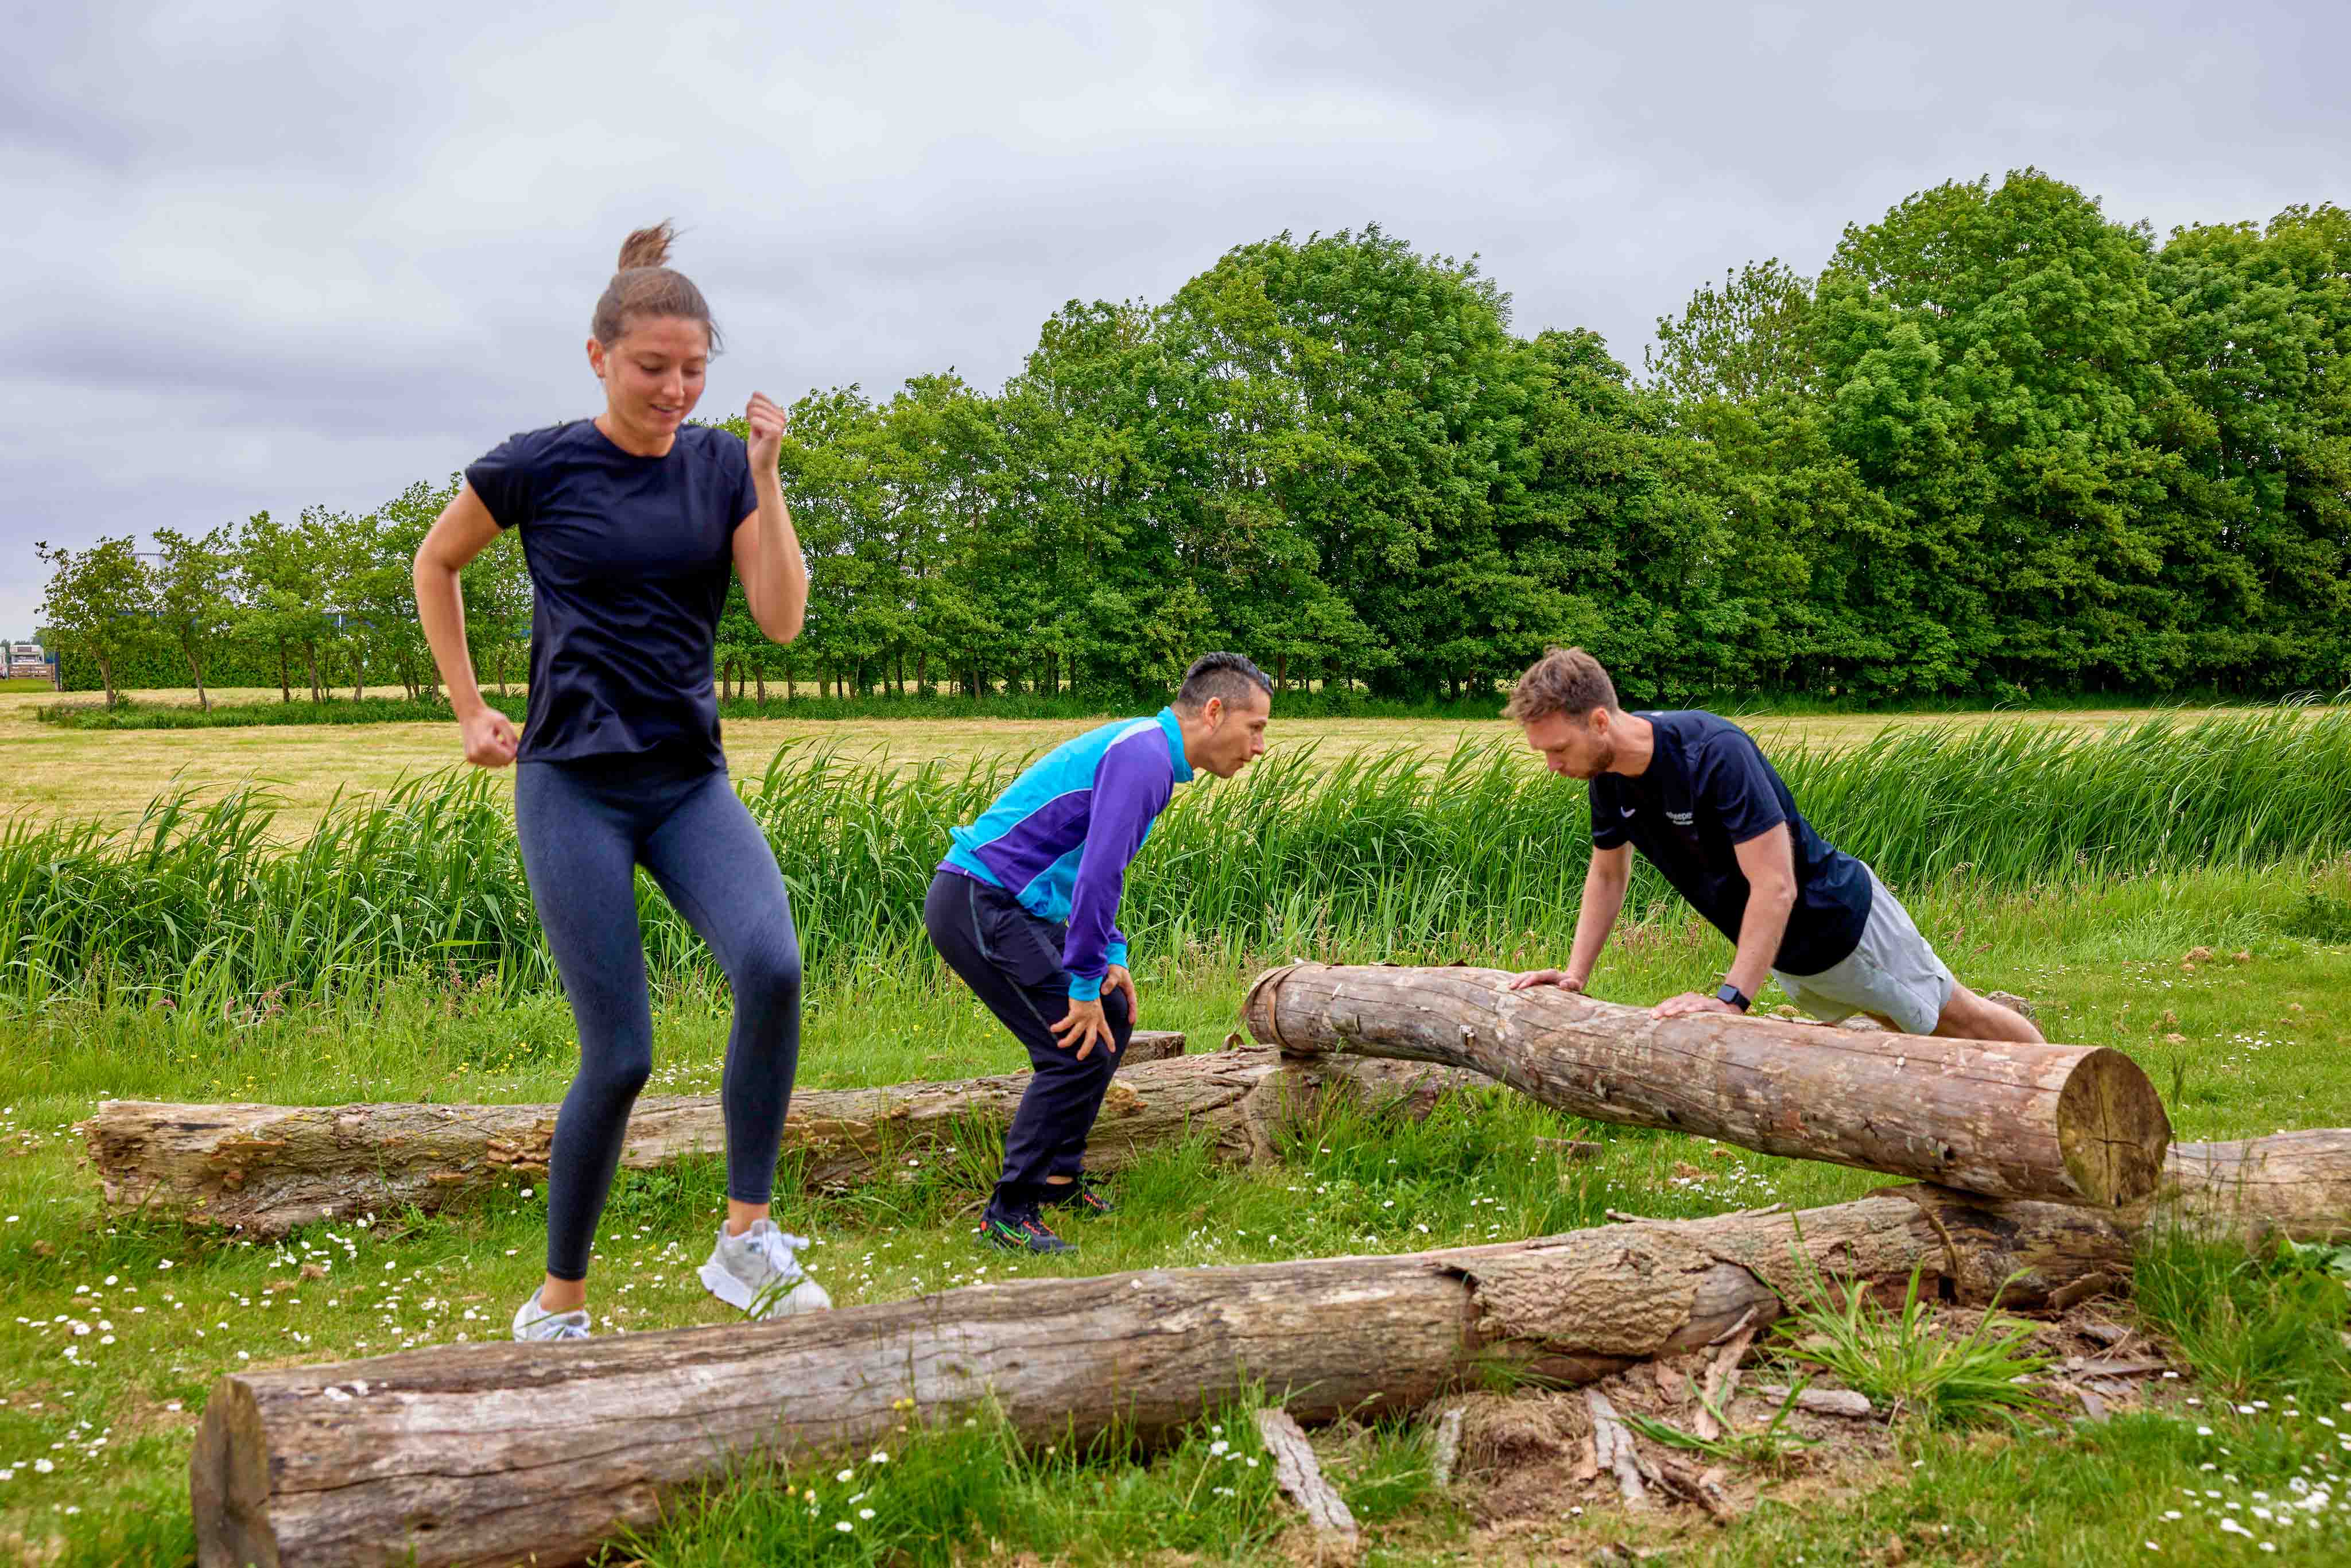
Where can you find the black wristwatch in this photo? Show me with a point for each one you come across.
(1734, 996)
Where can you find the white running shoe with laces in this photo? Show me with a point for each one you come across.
(759, 1273)
(533, 1321)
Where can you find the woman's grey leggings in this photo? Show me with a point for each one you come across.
(585, 828)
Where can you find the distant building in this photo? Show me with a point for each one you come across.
(28, 659)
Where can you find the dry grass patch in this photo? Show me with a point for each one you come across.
(55, 773)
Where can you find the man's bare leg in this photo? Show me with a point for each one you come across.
(1968, 1015)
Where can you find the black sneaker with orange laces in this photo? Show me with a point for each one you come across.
(1019, 1231)
(1085, 1195)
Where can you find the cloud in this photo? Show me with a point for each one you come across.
(275, 256)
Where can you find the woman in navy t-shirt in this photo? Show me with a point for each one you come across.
(630, 523)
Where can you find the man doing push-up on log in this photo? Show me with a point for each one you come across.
(1694, 794)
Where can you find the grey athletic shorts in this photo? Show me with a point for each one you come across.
(1893, 972)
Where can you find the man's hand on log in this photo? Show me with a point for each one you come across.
(1692, 1002)
(1534, 978)
(1082, 1026)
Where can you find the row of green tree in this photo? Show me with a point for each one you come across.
(329, 600)
(2001, 445)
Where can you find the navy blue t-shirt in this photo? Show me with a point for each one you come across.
(1707, 789)
(629, 558)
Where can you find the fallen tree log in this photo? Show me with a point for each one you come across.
(2296, 1185)
(502, 1453)
(2061, 1123)
(265, 1169)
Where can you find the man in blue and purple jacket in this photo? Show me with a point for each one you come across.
(1025, 908)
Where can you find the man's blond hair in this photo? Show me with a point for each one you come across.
(1565, 680)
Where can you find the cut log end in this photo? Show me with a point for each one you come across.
(1257, 1008)
(228, 1481)
(2112, 1130)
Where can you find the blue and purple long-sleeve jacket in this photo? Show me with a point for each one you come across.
(1060, 838)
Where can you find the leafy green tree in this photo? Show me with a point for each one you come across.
(1738, 343)
(499, 604)
(828, 469)
(1992, 359)
(287, 569)
(374, 592)
(1080, 503)
(98, 604)
(193, 588)
(2256, 537)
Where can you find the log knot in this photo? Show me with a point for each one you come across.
(1619, 1292)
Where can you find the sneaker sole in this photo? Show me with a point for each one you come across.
(523, 1337)
(991, 1238)
(739, 1293)
(735, 1293)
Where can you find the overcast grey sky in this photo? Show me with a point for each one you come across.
(266, 255)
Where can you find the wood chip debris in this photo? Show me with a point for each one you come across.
(1721, 1384)
(1612, 1449)
(1820, 1401)
(1300, 1477)
(1446, 1452)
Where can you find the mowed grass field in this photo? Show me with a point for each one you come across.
(51, 772)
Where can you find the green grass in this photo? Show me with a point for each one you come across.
(2261, 1047)
(1771, 1446)
(196, 907)
(2267, 1327)
(2096, 1496)
(2263, 1443)
(937, 1491)
(1901, 1362)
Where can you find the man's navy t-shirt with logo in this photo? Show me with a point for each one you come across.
(629, 558)
(1707, 789)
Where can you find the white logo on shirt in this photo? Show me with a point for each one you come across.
(1678, 819)
(1628, 810)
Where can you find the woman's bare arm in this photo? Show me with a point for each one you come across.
(464, 530)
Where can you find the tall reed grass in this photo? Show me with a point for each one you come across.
(195, 907)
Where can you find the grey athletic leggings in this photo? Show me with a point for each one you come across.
(585, 828)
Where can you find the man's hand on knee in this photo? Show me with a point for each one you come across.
(1116, 978)
(1083, 1025)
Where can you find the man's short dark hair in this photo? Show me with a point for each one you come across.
(1565, 680)
(1226, 676)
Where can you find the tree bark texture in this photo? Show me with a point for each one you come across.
(265, 1169)
(2066, 1124)
(2296, 1185)
(504, 1453)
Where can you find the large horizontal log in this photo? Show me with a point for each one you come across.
(2067, 1124)
(479, 1454)
(2296, 1185)
(265, 1169)
(503, 1453)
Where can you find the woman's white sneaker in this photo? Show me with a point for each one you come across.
(533, 1321)
(759, 1273)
